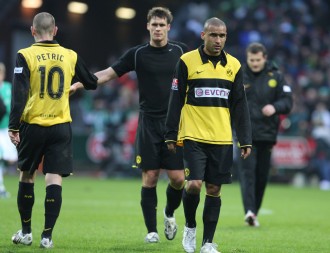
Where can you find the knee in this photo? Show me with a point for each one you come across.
(194, 187)
(177, 183)
(150, 178)
(177, 179)
(213, 190)
(26, 177)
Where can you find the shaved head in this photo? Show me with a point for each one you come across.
(44, 23)
(213, 22)
(214, 36)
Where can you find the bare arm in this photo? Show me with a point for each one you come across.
(103, 77)
(106, 75)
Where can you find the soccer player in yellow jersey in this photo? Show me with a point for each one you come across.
(207, 95)
(40, 122)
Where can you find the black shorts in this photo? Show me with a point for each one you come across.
(54, 143)
(208, 162)
(151, 151)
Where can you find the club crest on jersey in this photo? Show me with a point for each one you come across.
(186, 172)
(272, 83)
(209, 92)
(175, 83)
(229, 72)
(138, 159)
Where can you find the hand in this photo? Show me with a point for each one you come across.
(73, 90)
(74, 87)
(245, 152)
(14, 137)
(171, 146)
(268, 110)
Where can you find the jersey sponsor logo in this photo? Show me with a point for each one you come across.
(212, 92)
(18, 70)
(272, 83)
(175, 83)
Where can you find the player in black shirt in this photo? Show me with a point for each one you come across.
(154, 64)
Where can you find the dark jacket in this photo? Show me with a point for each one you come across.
(266, 87)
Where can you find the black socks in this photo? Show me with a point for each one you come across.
(190, 204)
(25, 201)
(53, 203)
(174, 198)
(211, 215)
(149, 208)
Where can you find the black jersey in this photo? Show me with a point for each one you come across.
(154, 67)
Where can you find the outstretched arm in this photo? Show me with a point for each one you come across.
(106, 75)
(103, 77)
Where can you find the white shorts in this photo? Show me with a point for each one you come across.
(8, 151)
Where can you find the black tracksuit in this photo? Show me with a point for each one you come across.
(265, 87)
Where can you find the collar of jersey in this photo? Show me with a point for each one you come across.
(205, 57)
(159, 48)
(46, 43)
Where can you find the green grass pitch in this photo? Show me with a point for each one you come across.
(105, 216)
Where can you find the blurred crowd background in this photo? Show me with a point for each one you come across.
(296, 34)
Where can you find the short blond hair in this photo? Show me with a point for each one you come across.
(44, 23)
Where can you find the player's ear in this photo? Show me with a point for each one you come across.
(202, 35)
(55, 31)
(168, 27)
(33, 31)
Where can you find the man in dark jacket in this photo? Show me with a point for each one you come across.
(268, 96)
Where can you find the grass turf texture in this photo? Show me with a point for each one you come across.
(105, 216)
